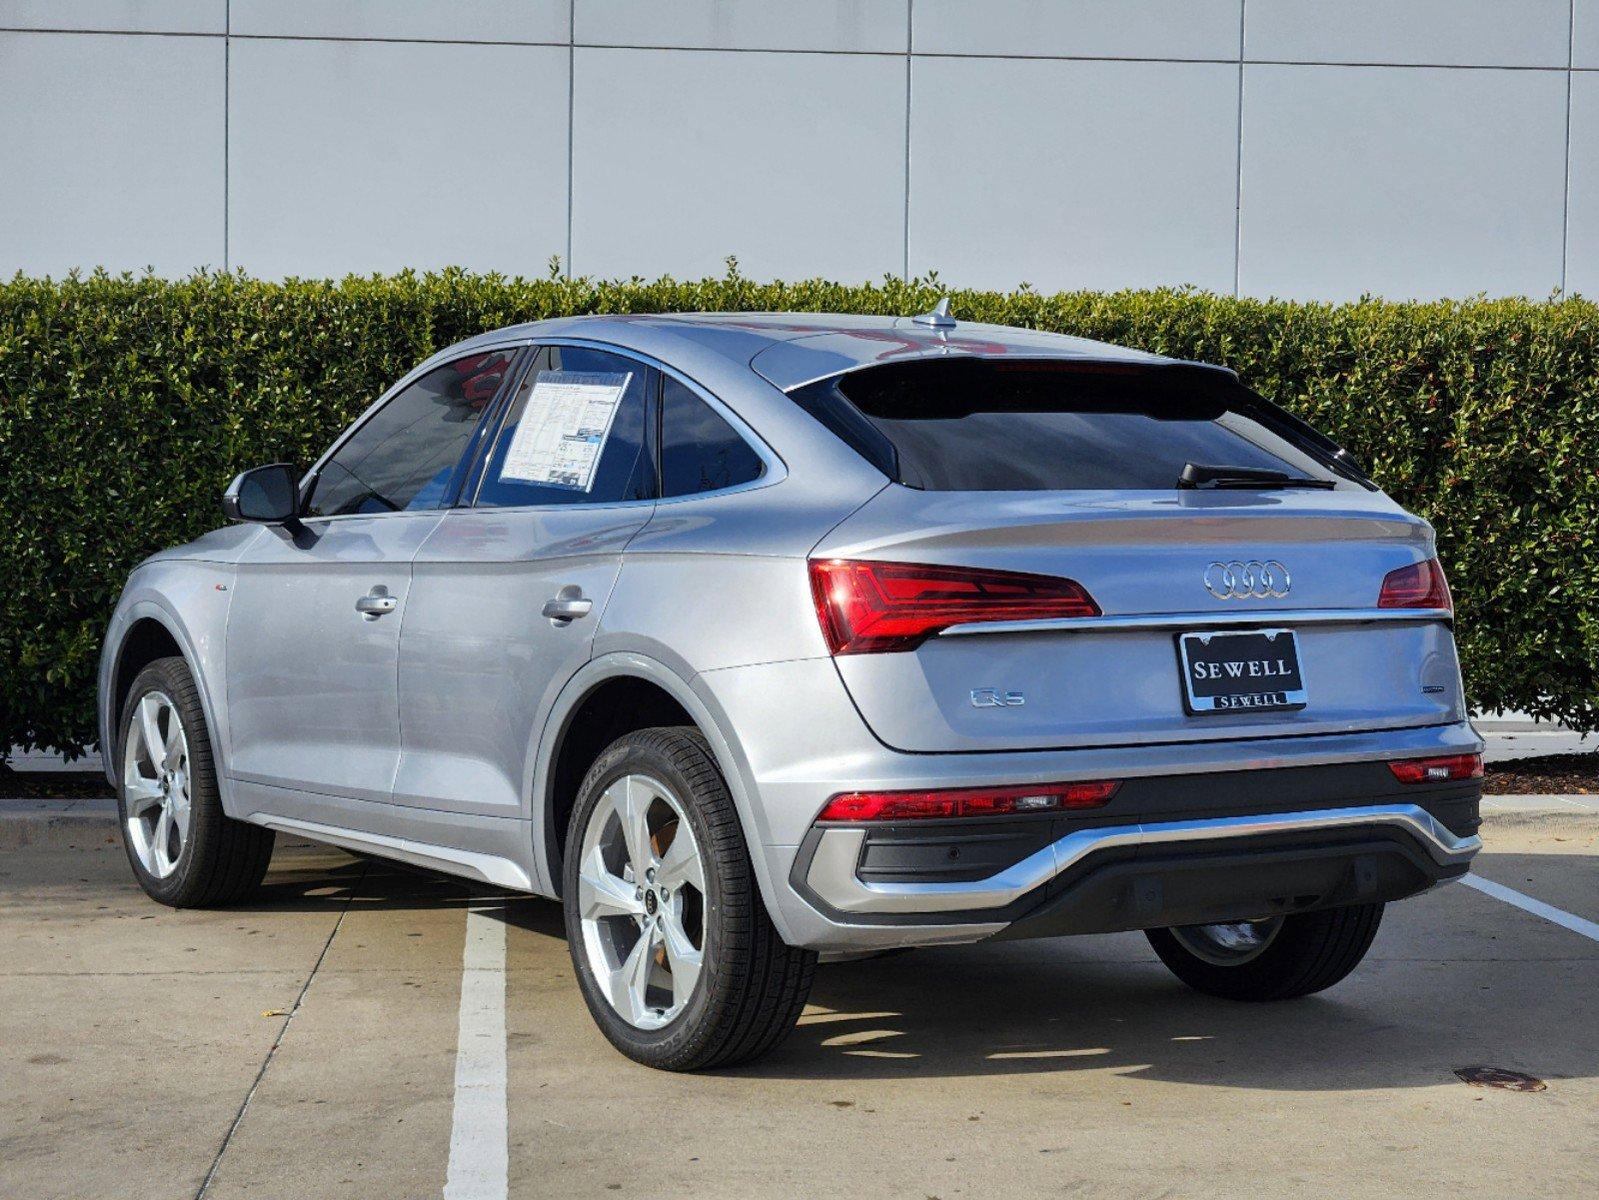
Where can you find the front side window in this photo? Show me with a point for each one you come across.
(574, 433)
(700, 452)
(970, 425)
(407, 455)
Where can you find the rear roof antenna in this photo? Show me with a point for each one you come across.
(939, 318)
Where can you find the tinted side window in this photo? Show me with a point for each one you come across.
(574, 433)
(700, 452)
(406, 456)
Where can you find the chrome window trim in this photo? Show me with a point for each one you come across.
(833, 865)
(1204, 620)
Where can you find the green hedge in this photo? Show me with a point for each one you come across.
(127, 403)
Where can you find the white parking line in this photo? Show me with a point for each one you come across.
(478, 1167)
(1538, 908)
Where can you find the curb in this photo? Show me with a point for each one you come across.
(62, 824)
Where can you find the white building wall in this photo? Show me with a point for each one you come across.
(1297, 148)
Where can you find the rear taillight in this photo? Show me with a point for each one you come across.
(949, 803)
(1437, 770)
(1420, 585)
(872, 607)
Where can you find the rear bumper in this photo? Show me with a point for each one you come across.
(1166, 872)
(794, 740)
(1171, 850)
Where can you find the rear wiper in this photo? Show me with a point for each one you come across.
(1198, 475)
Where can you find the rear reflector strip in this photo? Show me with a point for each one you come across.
(876, 607)
(954, 803)
(1437, 770)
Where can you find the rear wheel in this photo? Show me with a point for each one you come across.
(676, 957)
(184, 849)
(1278, 958)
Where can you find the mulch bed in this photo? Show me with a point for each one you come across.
(1549, 774)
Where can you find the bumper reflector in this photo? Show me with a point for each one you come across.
(1437, 770)
(948, 803)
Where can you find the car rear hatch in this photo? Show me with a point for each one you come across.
(1302, 558)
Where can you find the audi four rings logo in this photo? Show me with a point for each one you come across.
(1253, 580)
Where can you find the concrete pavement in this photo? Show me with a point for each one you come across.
(305, 1045)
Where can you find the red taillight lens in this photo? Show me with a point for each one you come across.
(968, 802)
(872, 607)
(1420, 585)
(1437, 770)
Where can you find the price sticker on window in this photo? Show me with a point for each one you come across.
(564, 427)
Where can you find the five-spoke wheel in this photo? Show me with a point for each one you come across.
(185, 849)
(155, 784)
(677, 957)
(641, 900)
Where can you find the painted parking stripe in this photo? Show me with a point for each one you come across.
(1538, 908)
(478, 1157)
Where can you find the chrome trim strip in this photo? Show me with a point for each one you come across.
(832, 872)
(1278, 616)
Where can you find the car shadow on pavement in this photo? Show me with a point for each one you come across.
(1415, 1011)
(1107, 1004)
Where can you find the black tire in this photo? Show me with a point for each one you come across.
(1311, 952)
(752, 985)
(221, 860)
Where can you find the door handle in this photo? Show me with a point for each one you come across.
(568, 606)
(376, 602)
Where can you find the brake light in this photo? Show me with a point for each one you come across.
(1437, 770)
(1420, 585)
(874, 607)
(950, 803)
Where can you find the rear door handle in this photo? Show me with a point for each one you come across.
(565, 609)
(376, 602)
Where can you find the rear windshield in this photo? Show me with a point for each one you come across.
(967, 425)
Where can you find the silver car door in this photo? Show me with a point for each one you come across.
(314, 629)
(507, 592)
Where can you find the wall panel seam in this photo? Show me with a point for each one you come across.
(1565, 194)
(910, 46)
(227, 135)
(1238, 158)
(571, 124)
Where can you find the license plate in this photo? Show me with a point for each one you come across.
(1253, 671)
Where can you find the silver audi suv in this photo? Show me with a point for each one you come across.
(755, 638)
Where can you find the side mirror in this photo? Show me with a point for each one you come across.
(270, 495)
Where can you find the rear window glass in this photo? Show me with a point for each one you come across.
(965, 425)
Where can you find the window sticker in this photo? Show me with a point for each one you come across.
(564, 427)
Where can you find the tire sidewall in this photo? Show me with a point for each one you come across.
(1311, 952)
(172, 677)
(636, 755)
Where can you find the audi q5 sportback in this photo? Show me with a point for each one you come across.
(755, 638)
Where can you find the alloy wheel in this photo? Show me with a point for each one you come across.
(641, 901)
(1228, 943)
(155, 784)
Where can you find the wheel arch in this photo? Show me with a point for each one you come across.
(144, 630)
(658, 692)
(146, 640)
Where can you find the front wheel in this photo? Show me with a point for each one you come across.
(185, 851)
(676, 957)
(1278, 958)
